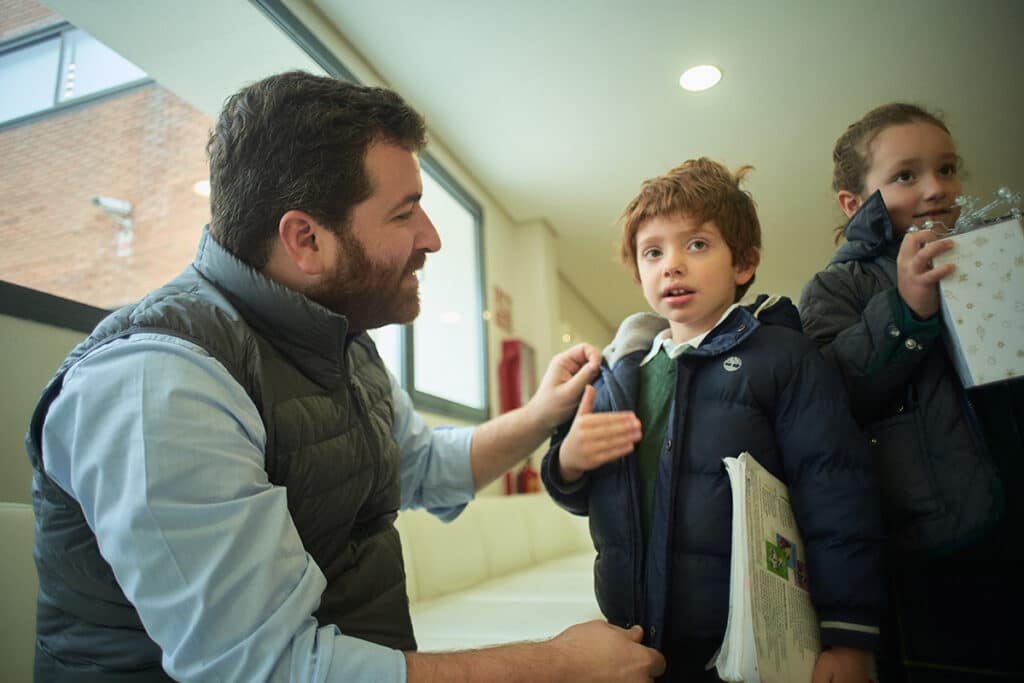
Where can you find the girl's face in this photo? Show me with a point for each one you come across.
(915, 167)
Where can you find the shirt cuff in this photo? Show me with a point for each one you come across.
(908, 323)
(353, 659)
(454, 484)
(848, 628)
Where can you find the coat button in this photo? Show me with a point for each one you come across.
(652, 631)
(893, 331)
(874, 442)
(912, 344)
(668, 444)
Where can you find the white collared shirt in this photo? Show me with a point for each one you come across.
(674, 350)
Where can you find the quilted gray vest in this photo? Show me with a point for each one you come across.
(325, 401)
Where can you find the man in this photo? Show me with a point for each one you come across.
(217, 468)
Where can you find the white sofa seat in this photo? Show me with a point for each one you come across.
(509, 568)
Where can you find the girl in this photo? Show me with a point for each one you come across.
(945, 456)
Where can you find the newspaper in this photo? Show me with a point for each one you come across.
(771, 635)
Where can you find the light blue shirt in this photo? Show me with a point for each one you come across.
(168, 467)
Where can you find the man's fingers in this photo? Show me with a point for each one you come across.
(592, 355)
(581, 356)
(583, 376)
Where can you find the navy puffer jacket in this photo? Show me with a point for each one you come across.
(755, 384)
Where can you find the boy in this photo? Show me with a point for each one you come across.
(708, 379)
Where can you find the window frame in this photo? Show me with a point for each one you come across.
(25, 303)
(44, 33)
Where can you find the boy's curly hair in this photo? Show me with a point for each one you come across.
(701, 190)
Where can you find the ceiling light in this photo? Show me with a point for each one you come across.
(202, 188)
(700, 77)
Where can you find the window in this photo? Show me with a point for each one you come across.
(448, 336)
(98, 203)
(24, 91)
(102, 203)
(441, 358)
(43, 71)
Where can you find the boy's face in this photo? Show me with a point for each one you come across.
(687, 273)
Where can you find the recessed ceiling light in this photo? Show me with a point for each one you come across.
(202, 188)
(700, 77)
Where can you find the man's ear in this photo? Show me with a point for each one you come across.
(848, 202)
(302, 239)
(745, 270)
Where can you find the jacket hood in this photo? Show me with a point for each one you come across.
(869, 233)
(637, 332)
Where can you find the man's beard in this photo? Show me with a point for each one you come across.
(368, 294)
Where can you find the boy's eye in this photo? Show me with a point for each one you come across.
(948, 170)
(652, 252)
(904, 176)
(698, 245)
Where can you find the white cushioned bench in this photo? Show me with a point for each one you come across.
(508, 568)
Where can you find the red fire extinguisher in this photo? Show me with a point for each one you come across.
(516, 384)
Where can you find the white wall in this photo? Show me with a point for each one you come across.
(31, 353)
(579, 321)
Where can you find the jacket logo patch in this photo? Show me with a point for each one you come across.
(732, 363)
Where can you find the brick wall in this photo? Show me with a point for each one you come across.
(144, 145)
(21, 16)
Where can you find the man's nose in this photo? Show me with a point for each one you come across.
(427, 239)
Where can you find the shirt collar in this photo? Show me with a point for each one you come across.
(674, 350)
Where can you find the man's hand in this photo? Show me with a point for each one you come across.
(503, 442)
(844, 665)
(597, 652)
(594, 652)
(916, 279)
(595, 438)
(560, 390)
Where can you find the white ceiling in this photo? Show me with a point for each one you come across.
(560, 108)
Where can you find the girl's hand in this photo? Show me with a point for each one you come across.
(844, 665)
(917, 280)
(595, 438)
